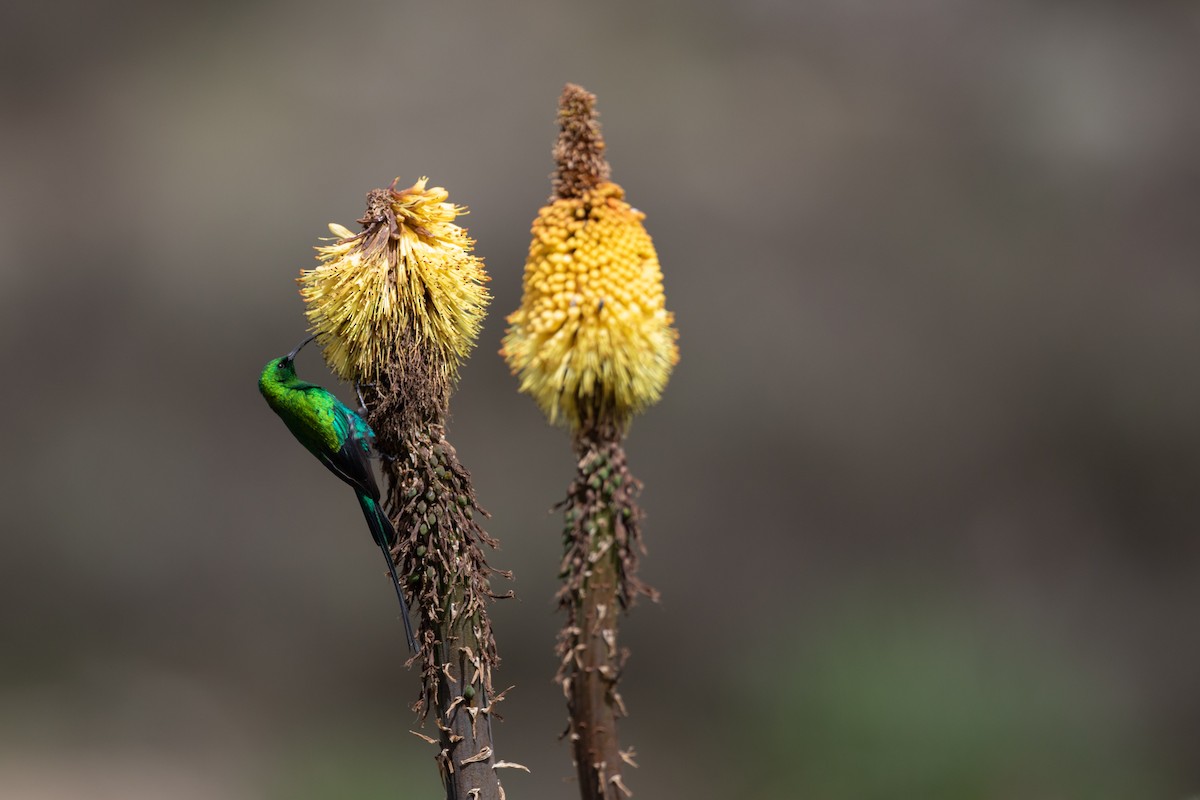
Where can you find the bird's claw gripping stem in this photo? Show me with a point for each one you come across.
(362, 404)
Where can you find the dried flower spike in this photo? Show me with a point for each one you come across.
(410, 269)
(592, 339)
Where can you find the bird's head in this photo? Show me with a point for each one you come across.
(283, 369)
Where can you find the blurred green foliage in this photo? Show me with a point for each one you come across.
(355, 763)
(902, 702)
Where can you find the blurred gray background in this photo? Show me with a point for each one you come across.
(922, 492)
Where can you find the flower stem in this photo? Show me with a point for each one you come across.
(440, 549)
(599, 570)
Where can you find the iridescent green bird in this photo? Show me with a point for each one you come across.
(340, 440)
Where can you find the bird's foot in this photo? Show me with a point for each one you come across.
(362, 404)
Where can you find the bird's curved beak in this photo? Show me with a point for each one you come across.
(296, 350)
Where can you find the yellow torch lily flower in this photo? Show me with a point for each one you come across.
(411, 269)
(592, 339)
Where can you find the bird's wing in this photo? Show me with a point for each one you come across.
(352, 463)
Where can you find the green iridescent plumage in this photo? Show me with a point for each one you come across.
(340, 440)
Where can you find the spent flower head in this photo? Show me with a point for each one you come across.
(411, 268)
(592, 341)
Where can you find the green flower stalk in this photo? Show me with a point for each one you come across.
(396, 309)
(593, 344)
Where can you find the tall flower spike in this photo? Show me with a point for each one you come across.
(397, 308)
(593, 344)
(410, 269)
(592, 339)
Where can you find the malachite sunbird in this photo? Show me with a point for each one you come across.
(341, 440)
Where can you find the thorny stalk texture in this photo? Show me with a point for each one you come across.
(440, 549)
(602, 538)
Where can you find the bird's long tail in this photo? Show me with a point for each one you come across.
(385, 536)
